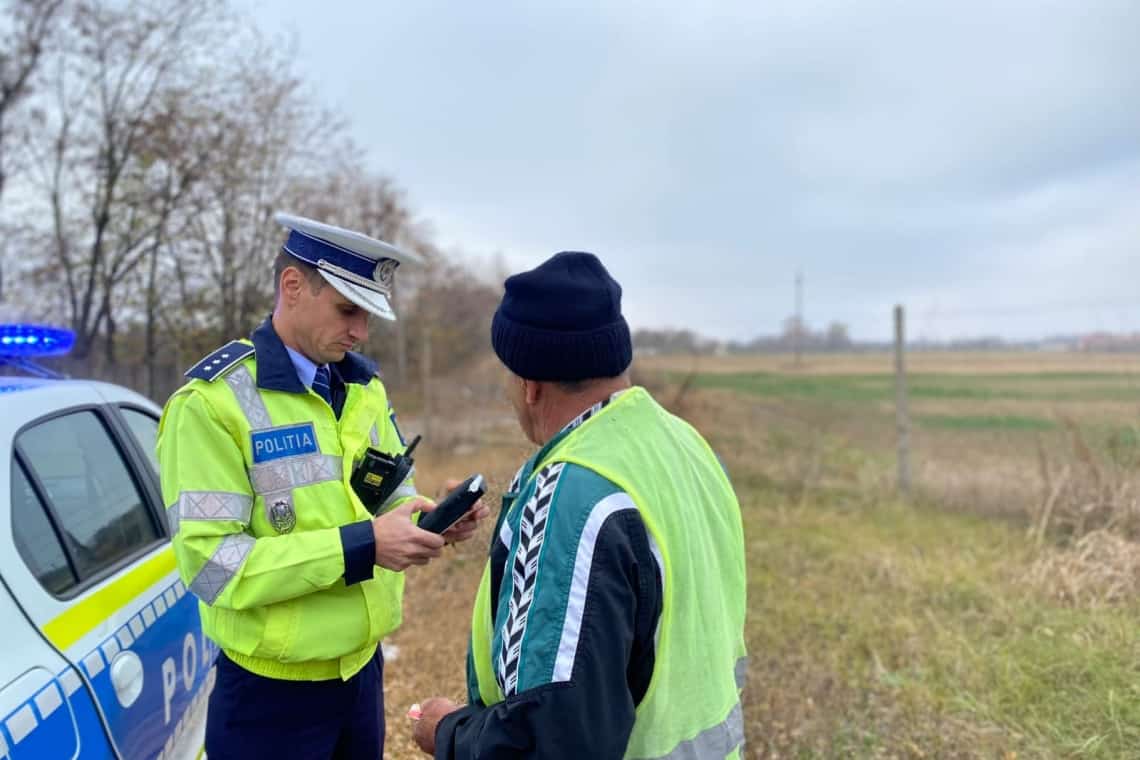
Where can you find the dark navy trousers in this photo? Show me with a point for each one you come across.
(252, 716)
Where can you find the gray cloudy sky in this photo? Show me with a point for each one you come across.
(976, 161)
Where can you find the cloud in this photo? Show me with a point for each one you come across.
(964, 158)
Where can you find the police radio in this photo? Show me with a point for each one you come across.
(378, 475)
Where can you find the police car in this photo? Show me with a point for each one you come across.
(103, 654)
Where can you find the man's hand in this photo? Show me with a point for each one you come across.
(465, 526)
(432, 712)
(399, 543)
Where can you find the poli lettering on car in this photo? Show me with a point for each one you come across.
(103, 652)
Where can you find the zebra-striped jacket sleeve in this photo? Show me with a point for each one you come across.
(577, 609)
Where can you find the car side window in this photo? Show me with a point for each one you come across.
(144, 428)
(100, 512)
(36, 540)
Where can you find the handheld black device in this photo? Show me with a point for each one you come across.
(378, 475)
(453, 506)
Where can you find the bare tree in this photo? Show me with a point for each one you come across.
(272, 139)
(838, 337)
(112, 89)
(27, 27)
(161, 136)
(180, 144)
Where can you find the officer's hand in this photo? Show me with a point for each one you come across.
(465, 527)
(399, 543)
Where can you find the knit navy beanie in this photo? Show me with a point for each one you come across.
(562, 321)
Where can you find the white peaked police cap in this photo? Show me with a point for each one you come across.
(361, 268)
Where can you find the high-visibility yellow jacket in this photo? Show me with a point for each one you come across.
(268, 533)
(692, 708)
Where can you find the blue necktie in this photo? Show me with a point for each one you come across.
(322, 383)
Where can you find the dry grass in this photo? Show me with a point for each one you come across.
(876, 631)
(469, 427)
(1087, 490)
(884, 631)
(1102, 568)
(432, 642)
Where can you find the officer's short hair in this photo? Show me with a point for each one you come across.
(312, 276)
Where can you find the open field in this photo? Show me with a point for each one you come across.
(966, 363)
(969, 623)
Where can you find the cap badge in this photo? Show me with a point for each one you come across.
(385, 273)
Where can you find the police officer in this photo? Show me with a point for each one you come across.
(610, 619)
(297, 582)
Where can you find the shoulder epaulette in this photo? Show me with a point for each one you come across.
(214, 365)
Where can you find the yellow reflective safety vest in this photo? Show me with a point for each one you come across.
(692, 707)
(256, 483)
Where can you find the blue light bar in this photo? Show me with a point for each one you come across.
(27, 341)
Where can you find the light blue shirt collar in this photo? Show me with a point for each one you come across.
(306, 368)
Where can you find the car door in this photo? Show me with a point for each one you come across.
(115, 606)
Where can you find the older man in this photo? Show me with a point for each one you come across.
(610, 618)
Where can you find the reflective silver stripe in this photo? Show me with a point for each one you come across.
(214, 505)
(294, 472)
(405, 490)
(172, 518)
(48, 700)
(715, 742)
(221, 567)
(374, 435)
(741, 671)
(250, 401)
(21, 723)
(70, 681)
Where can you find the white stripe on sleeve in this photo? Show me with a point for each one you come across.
(572, 623)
